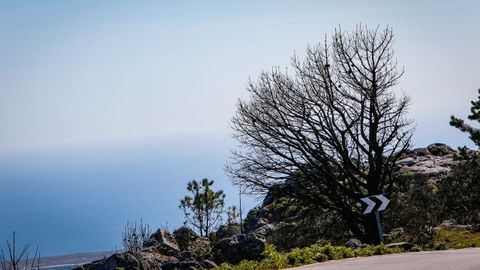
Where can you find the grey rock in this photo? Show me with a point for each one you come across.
(431, 166)
(125, 260)
(354, 243)
(239, 247)
(186, 256)
(453, 225)
(129, 260)
(188, 240)
(185, 236)
(262, 222)
(409, 161)
(227, 230)
(265, 230)
(208, 264)
(163, 242)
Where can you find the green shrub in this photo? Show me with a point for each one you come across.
(246, 265)
(320, 257)
(273, 259)
(344, 252)
(301, 256)
(223, 266)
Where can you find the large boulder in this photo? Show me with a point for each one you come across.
(163, 242)
(239, 247)
(184, 237)
(188, 240)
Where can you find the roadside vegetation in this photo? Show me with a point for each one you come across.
(319, 252)
(444, 238)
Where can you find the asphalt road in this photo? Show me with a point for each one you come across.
(460, 259)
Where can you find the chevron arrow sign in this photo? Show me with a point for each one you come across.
(375, 203)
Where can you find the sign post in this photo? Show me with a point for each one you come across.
(376, 204)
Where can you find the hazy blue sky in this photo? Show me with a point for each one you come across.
(90, 72)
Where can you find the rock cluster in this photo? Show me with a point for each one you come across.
(183, 250)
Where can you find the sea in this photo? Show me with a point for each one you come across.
(79, 199)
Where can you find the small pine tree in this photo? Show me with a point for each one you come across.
(205, 208)
(474, 133)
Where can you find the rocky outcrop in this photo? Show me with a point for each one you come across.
(239, 247)
(282, 221)
(182, 249)
(435, 161)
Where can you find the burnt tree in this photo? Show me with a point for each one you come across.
(333, 128)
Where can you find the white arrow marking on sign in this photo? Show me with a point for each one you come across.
(385, 201)
(370, 205)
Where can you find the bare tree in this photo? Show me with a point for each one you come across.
(18, 261)
(334, 128)
(135, 235)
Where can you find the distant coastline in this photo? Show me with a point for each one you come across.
(69, 261)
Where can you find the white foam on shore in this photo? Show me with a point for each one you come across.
(59, 265)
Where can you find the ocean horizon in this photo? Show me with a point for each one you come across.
(79, 199)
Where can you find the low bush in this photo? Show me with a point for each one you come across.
(135, 235)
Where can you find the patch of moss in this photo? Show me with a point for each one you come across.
(456, 238)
